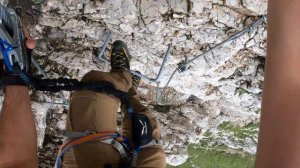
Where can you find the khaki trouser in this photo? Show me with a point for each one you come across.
(98, 112)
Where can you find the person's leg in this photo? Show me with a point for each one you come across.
(91, 111)
(152, 156)
(279, 132)
(135, 103)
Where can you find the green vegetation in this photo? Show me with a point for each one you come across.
(239, 132)
(207, 134)
(215, 157)
(203, 158)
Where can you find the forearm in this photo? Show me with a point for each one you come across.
(279, 140)
(18, 139)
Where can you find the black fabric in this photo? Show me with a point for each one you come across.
(57, 85)
(16, 77)
(12, 80)
(141, 130)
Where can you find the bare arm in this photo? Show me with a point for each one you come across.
(279, 139)
(18, 139)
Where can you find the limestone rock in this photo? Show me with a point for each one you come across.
(218, 93)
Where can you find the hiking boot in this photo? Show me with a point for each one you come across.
(135, 81)
(120, 57)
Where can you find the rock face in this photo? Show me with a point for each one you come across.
(214, 103)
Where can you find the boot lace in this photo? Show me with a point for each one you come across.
(119, 60)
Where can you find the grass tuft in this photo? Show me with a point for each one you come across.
(203, 158)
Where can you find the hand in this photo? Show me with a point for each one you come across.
(30, 44)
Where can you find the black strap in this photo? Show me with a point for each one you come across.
(59, 84)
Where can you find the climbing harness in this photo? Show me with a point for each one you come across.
(120, 143)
